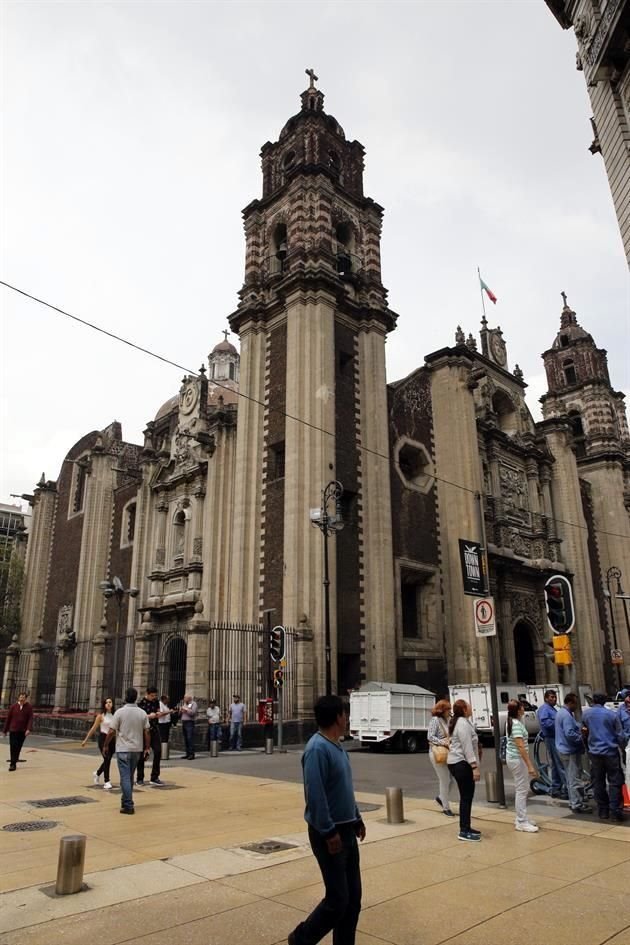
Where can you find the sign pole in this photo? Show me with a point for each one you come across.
(492, 663)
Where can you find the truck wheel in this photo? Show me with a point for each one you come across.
(411, 743)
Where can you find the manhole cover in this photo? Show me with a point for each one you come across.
(30, 825)
(365, 807)
(269, 846)
(61, 801)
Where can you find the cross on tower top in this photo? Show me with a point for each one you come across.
(564, 298)
(225, 333)
(314, 78)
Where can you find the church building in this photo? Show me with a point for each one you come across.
(289, 484)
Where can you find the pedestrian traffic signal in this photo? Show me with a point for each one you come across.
(278, 678)
(277, 642)
(559, 604)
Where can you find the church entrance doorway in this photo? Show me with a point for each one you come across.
(524, 653)
(174, 683)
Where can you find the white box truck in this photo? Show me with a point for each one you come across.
(391, 713)
(536, 694)
(478, 695)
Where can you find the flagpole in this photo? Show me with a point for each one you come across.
(483, 303)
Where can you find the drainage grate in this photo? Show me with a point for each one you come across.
(61, 801)
(365, 807)
(269, 846)
(27, 825)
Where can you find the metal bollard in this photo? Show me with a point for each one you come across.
(166, 751)
(269, 746)
(70, 865)
(491, 787)
(214, 748)
(394, 803)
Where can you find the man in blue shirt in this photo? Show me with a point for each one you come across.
(570, 749)
(604, 741)
(334, 823)
(546, 715)
(623, 714)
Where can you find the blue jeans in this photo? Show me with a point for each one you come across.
(188, 727)
(127, 764)
(236, 735)
(572, 765)
(340, 908)
(214, 733)
(556, 770)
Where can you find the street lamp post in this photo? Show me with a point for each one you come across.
(115, 588)
(328, 523)
(614, 573)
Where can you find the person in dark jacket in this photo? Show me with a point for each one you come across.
(151, 705)
(604, 741)
(18, 725)
(334, 824)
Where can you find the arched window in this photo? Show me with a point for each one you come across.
(128, 525)
(279, 248)
(570, 376)
(506, 412)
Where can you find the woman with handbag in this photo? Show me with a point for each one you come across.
(463, 763)
(439, 742)
(518, 761)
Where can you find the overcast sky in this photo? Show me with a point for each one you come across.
(131, 137)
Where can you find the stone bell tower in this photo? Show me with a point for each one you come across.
(312, 321)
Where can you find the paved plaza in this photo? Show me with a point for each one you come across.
(178, 872)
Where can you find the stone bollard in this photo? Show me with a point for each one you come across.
(491, 787)
(214, 748)
(70, 865)
(166, 751)
(394, 804)
(269, 746)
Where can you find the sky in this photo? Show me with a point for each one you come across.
(131, 134)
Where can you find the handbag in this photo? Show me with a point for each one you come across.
(440, 754)
(503, 747)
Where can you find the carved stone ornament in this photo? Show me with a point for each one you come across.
(513, 487)
(182, 453)
(197, 547)
(525, 605)
(160, 556)
(64, 621)
(188, 397)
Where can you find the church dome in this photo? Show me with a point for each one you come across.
(225, 346)
(570, 331)
(168, 407)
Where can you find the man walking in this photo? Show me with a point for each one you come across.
(130, 727)
(18, 725)
(237, 718)
(188, 714)
(334, 824)
(151, 705)
(546, 715)
(570, 749)
(604, 741)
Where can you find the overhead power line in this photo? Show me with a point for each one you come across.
(277, 410)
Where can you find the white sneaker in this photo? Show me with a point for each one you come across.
(108, 786)
(526, 828)
(96, 777)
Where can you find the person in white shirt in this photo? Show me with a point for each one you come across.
(103, 722)
(213, 713)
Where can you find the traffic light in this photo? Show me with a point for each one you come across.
(559, 604)
(278, 678)
(277, 642)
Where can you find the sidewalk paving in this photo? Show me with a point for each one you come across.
(176, 873)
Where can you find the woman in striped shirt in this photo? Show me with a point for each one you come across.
(519, 763)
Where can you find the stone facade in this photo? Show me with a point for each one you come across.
(211, 519)
(601, 29)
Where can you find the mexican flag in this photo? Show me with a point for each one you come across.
(487, 290)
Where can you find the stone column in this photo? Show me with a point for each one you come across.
(304, 671)
(97, 675)
(142, 655)
(37, 564)
(160, 538)
(531, 470)
(65, 661)
(10, 672)
(197, 523)
(32, 678)
(197, 664)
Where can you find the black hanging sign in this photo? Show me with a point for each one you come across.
(472, 567)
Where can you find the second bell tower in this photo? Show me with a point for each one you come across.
(312, 319)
